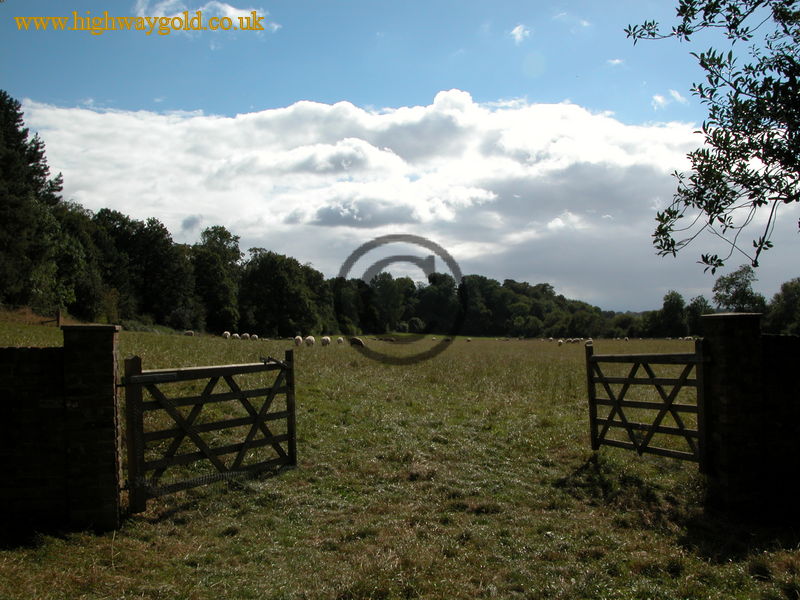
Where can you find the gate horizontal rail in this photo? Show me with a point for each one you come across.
(640, 434)
(144, 475)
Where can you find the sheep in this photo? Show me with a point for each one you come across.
(226, 334)
(235, 336)
(245, 336)
(188, 332)
(356, 341)
(326, 341)
(340, 340)
(469, 339)
(310, 341)
(298, 341)
(254, 337)
(560, 342)
(626, 338)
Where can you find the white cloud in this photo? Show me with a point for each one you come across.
(519, 33)
(576, 23)
(677, 97)
(536, 192)
(615, 62)
(658, 102)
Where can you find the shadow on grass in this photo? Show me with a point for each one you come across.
(21, 537)
(683, 512)
(720, 537)
(176, 512)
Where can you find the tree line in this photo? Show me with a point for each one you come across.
(108, 267)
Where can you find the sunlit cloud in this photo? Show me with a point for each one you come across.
(511, 183)
(519, 33)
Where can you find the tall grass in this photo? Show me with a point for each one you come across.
(466, 476)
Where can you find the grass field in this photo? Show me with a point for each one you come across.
(466, 476)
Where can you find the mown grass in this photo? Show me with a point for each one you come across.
(466, 476)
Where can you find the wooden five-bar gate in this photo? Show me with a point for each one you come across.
(672, 417)
(254, 428)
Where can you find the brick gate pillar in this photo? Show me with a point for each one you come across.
(92, 425)
(736, 449)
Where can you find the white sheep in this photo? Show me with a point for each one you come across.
(356, 341)
(310, 341)
(188, 332)
(245, 336)
(226, 334)
(298, 341)
(560, 342)
(235, 336)
(326, 341)
(340, 340)
(254, 337)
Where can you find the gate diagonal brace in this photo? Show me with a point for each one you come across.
(259, 423)
(190, 419)
(617, 408)
(195, 437)
(668, 400)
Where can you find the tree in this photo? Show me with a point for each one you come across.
(697, 307)
(438, 303)
(275, 298)
(750, 163)
(388, 300)
(216, 270)
(784, 310)
(166, 277)
(734, 292)
(28, 230)
(673, 315)
(115, 236)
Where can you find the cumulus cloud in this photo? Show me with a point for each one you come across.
(537, 192)
(519, 33)
(575, 23)
(677, 97)
(659, 101)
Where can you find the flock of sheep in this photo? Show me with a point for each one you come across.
(325, 340)
(309, 340)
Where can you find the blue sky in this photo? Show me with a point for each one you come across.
(371, 53)
(530, 139)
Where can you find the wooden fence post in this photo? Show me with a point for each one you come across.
(702, 440)
(589, 349)
(137, 497)
(291, 428)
